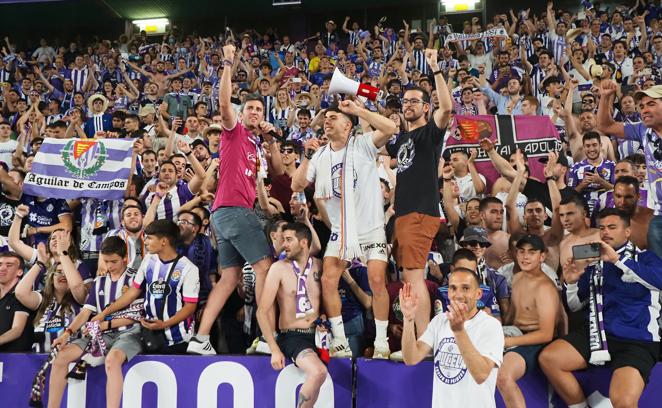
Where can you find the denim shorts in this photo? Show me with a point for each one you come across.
(239, 236)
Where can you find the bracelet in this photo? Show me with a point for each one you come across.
(41, 264)
(69, 331)
(437, 72)
(448, 179)
(228, 62)
(554, 178)
(309, 154)
(189, 152)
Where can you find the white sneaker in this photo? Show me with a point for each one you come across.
(382, 350)
(340, 348)
(262, 346)
(201, 347)
(253, 346)
(397, 356)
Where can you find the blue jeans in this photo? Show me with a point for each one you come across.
(239, 236)
(655, 235)
(354, 333)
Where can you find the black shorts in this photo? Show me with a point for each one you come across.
(641, 355)
(529, 354)
(292, 343)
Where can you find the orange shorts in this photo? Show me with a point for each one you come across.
(413, 237)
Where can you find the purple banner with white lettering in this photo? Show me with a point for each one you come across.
(536, 136)
(383, 384)
(183, 381)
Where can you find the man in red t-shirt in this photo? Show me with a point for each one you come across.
(238, 232)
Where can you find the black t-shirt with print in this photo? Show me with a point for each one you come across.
(417, 153)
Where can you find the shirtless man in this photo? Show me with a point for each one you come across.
(535, 305)
(573, 214)
(535, 214)
(491, 211)
(294, 283)
(626, 199)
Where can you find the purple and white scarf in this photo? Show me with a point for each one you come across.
(597, 336)
(303, 305)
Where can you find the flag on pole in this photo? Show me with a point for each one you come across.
(76, 168)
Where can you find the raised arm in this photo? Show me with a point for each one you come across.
(413, 351)
(478, 182)
(551, 18)
(25, 251)
(384, 127)
(443, 114)
(24, 293)
(502, 165)
(74, 280)
(229, 118)
(606, 123)
(299, 180)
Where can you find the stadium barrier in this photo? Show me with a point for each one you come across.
(250, 382)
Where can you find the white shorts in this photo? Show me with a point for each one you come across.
(373, 246)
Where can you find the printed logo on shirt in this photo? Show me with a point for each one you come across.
(448, 362)
(336, 172)
(406, 154)
(159, 289)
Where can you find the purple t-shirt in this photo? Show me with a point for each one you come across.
(591, 193)
(650, 141)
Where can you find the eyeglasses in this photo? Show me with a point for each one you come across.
(286, 151)
(184, 222)
(411, 101)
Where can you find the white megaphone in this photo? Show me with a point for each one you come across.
(341, 84)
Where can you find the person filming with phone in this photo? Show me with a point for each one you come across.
(616, 284)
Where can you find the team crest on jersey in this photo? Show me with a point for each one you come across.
(449, 365)
(176, 275)
(50, 207)
(84, 158)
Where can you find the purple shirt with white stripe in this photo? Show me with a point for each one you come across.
(183, 287)
(168, 208)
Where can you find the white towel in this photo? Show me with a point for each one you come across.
(349, 241)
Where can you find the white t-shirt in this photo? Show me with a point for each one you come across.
(453, 385)
(466, 186)
(367, 191)
(7, 149)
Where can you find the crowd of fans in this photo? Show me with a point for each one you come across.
(239, 147)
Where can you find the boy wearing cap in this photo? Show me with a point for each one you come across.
(535, 304)
(476, 240)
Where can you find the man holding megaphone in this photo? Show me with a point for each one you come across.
(417, 185)
(346, 179)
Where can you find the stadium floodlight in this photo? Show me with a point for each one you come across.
(461, 6)
(286, 2)
(153, 26)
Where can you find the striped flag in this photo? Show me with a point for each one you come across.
(76, 168)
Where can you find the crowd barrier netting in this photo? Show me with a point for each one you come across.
(250, 382)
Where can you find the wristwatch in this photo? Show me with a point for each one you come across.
(309, 153)
(555, 178)
(65, 253)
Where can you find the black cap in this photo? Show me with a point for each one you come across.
(534, 240)
(198, 142)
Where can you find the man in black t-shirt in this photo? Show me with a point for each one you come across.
(15, 319)
(417, 184)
